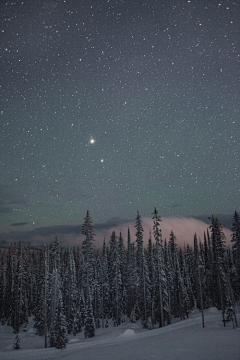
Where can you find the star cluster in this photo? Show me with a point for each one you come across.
(115, 106)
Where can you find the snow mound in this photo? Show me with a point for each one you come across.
(32, 331)
(128, 332)
(212, 310)
(73, 340)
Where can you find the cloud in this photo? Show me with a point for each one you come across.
(71, 234)
(225, 219)
(184, 229)
(19, 224)
(109, 224)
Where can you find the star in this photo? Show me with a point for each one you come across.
(127, 106)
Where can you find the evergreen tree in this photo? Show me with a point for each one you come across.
(81, 311)
(168, 265)
(152, 277)
(161, 280)
(16, 344)
(132, 283)
(189, 274)
(70, 291)
(42, 307)
(115, 279)
(144, 291)
(139, 239)
(187, 278)
(96, 290)
(235, 239)
(123, 272)
(19, 299)
(3, 286)
(56, 320)
(54, 255)
(172, 247)
(30, 265)
(58, 328)
(223, 293)
(104, 281)
(195, 278)
(181, 305)
(88, 256)
(89, 326)
(207, 270)
(80, 300)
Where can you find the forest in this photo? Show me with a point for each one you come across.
(73, 289)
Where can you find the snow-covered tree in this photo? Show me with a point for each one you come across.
(19, 295)
(144, 293)
(88, 256)
(58, 328)
(70, 290)
(89, 324)
(161, 293)
(42, 307)
(104, 283)
(115, 279)
(16, 344)
(235, 239)
(222, 288)
(131, 282)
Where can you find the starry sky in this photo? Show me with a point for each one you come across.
(117, 106)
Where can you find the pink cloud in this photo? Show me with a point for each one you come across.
(184, 229)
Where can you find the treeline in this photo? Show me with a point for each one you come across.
(69, 290)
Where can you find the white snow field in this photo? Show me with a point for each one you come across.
(183, 340)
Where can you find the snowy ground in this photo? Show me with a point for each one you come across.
(183, 340)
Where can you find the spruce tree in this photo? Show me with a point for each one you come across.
(181, 304)
(89, 325)
(189, 274)
(58, 328)
(152, 277)
(132, 283)
(70, 290)
(123, 272)
(187, 278)
(115, 279)
(223, 293)
(161, 280)
(42, 306)
(144, 291)
(104, 281)
(3, 286)
(16, 344)
(19, 295)
(196, 288)
(235, 239)
(88, 257)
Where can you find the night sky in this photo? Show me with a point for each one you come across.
(117, 106)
